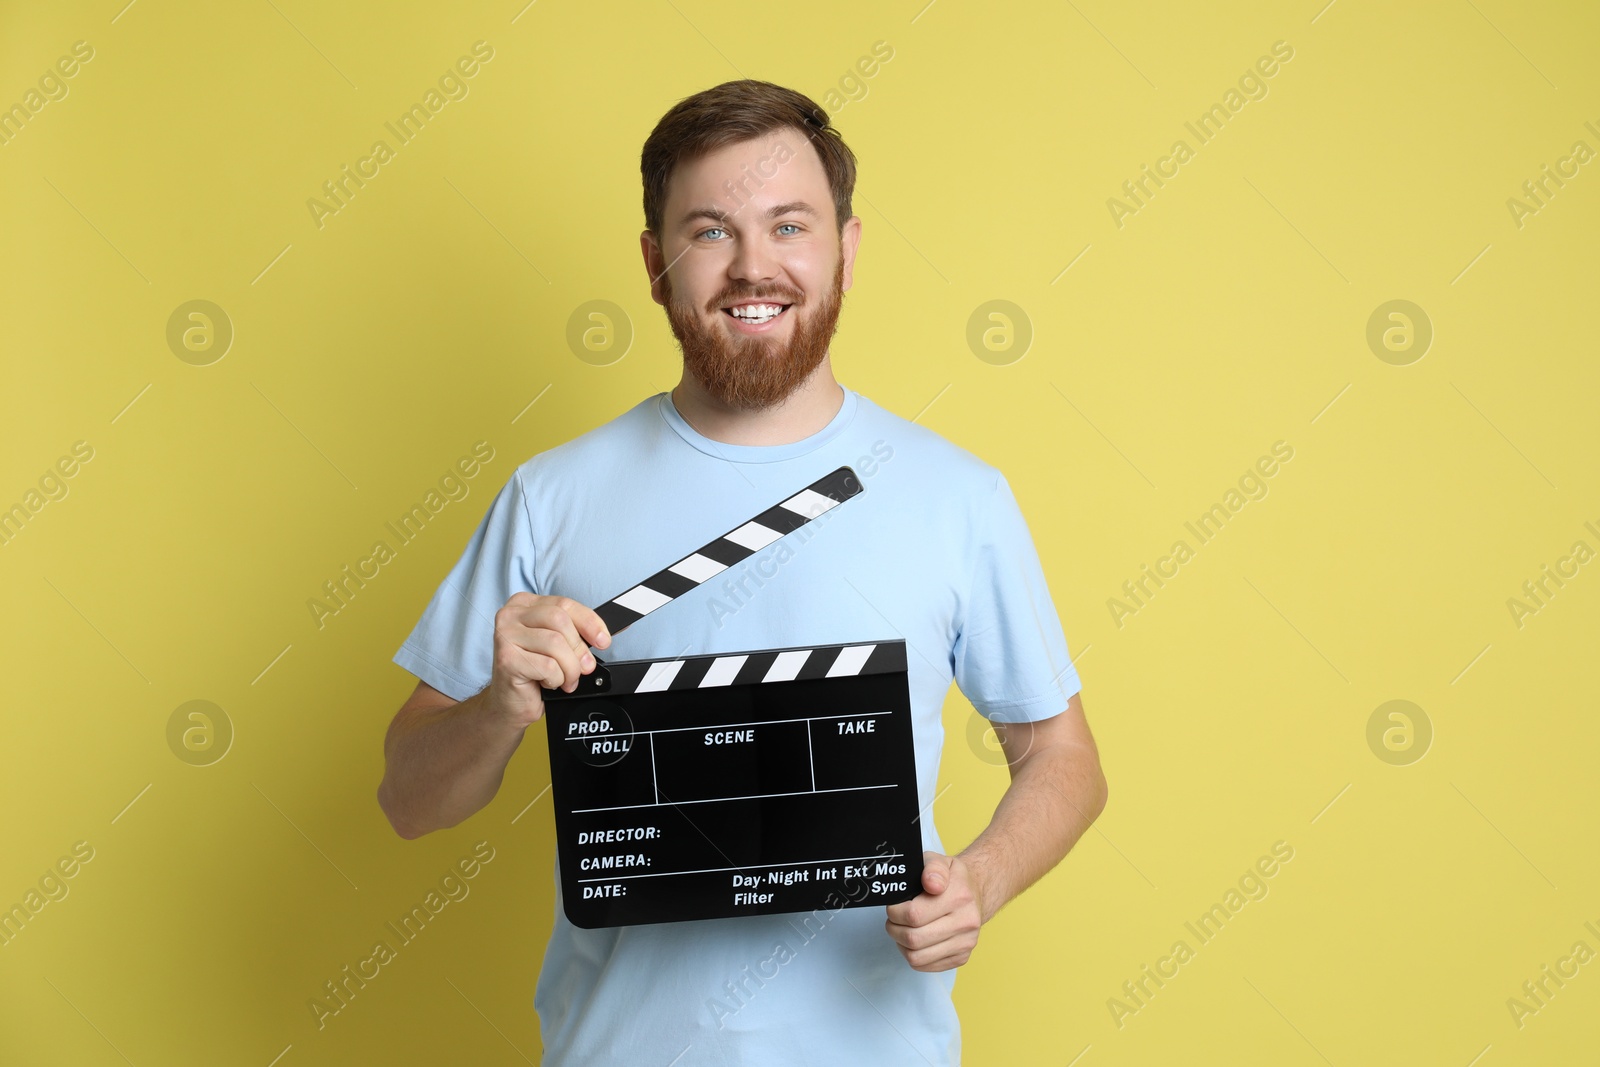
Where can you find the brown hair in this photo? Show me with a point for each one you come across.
(738, 111)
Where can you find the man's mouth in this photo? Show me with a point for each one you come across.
(756, 313)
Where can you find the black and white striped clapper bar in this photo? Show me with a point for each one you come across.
(742, 783)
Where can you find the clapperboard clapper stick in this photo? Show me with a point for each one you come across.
(741, 783)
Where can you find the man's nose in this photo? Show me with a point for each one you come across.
(753, 263)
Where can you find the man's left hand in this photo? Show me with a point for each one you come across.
(938, 928)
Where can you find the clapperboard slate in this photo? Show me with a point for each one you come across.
(743, 783)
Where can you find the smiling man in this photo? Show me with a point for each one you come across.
(749, 245)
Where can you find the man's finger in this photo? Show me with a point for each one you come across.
(920, 910)
(553, 645)
(519, 649)
(935, 872)
(914, 912)
(562, 615)
(943, 963)
(939, 929)
(531, 667)
(590, 625)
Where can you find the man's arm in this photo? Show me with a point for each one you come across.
(444, 760)
(1057, 790)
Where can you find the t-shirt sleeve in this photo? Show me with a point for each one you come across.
(1010, 654)
(452, 645)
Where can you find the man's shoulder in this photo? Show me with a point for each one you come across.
(930, 459)
(596, 447)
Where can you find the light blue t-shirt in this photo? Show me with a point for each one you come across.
(934, 551)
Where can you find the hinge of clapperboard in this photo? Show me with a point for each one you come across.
(711, 559)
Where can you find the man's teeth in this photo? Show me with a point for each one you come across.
(756, 313)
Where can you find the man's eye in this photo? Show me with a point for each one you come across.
(789, 225)
(714, 229)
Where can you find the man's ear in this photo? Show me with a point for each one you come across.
(654, 264)
(849, 241)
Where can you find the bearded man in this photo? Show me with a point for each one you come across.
(750, 244)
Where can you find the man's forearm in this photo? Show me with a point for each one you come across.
(1053, 798)
(443, 764)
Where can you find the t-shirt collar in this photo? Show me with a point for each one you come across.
(758, 453)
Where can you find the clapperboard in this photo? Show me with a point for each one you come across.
(742, 783)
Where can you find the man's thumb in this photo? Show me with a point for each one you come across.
(935, 872)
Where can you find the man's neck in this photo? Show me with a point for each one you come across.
(797, 416)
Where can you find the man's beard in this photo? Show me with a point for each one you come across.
(750, 372)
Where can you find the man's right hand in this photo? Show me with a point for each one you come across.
(540, 641)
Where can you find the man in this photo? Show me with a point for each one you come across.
(750, 243)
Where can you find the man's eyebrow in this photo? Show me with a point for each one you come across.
(716, 214)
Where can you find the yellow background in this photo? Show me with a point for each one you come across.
(1229, 313)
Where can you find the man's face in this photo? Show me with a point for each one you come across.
(750, 225)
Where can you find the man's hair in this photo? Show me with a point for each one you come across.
(738, 111)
